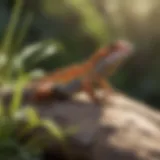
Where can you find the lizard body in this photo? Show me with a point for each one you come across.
(83, 77)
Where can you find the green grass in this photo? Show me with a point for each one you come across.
(14, 60)
(10, 124)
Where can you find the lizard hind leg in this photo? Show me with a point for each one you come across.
(60, 95)
(48, 92)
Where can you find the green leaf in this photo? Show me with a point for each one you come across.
(23, 31)
(71, 130)
(53, 129)
(15, 104)
(17, 9)
(32, 119)
(8, 38)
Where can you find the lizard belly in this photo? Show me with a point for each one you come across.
(69, 88)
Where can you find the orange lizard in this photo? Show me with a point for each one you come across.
(83, 77)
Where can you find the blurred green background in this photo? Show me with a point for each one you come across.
(38, 36)
(54, 33)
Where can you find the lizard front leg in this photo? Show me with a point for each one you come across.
(106, 86)
(88, 86)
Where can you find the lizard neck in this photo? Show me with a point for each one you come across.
(96, 59)
(108, 65)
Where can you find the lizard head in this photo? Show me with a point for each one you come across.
(122, 48)
(119, 50)
(116, 50)
(114, 55)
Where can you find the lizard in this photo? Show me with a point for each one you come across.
(96, 70)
